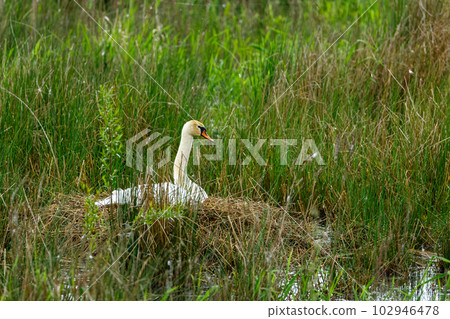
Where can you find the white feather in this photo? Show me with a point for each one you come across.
(184, 191)
(165, 192)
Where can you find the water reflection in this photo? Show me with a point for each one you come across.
(420, 284)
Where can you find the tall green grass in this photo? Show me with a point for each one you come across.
(376, 105)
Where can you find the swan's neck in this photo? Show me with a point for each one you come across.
(182, 158)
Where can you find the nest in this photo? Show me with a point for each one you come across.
(66, 218)
(223, 225)
(242, 224)
(244, 215)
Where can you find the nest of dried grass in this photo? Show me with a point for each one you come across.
(66, 218)
(222, 224)
(238, 218)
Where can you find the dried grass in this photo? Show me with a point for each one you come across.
(236, 218)
(222, 224)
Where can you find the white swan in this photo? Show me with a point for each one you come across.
(183, 192)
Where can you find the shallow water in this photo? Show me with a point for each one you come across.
(420, 284)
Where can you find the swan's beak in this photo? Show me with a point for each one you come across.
(206, 136)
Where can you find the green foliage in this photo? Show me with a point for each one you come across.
(151, 214)
(92, 221)
(110, 137)
(375, 103)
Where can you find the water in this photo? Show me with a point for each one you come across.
(420, 284)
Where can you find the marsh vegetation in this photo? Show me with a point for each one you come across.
(76, 84)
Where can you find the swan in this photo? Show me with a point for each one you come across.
(184, 191)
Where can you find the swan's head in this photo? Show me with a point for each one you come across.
(196, 128)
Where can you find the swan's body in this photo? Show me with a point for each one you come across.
(183, 192)
(169, 193)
